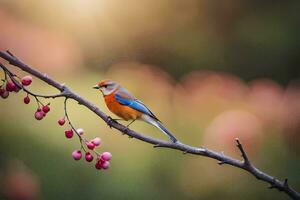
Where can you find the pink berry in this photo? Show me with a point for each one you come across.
(80, 131)
(96, 141)
(105, 165)
(26, 100)
(46, 108)
(61, 121)
(39, 115)
(106, 156)
(90, 145)
(4, 93)
(76, 154)
(88, 157)
(69, 133)
(101, 164)
(10, 86)
(26, 80)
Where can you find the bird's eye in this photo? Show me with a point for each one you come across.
(105, 86)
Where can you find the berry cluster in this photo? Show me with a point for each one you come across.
(88, 147)
(42, 109)
(13, 83)
(41, 112)
(10, 86)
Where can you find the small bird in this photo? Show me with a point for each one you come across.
(125, 105)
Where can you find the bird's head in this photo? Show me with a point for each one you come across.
(106, 86)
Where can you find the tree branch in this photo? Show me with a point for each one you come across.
(244, 164)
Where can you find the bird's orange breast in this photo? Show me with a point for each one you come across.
(122, 111)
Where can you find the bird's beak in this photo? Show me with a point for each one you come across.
(96, 87)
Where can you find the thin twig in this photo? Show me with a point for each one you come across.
(223, 159)
(244, 155)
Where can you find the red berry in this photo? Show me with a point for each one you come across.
(61, 121)
(98, 165)
(99, 160)
(69, 133)
(76, 154)
(88, 157)
(96, 141)
(4, 93)
(10, 86)
(17, 89)
(26, 80)
(106, 156)
(39, 115)
(26, 100)
(46, 108)
(90, 145)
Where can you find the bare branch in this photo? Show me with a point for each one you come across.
(186, 149)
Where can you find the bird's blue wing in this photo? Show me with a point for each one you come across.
(134, 104)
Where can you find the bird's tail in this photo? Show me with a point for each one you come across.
(163, 129)
(160, 127)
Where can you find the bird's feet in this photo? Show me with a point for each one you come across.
(126, 129)
(110, 121)
(130, 123)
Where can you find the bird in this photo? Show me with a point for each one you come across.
(126, 106)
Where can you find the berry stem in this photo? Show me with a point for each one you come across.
(69, 121)
(81, 139)
(38, 102)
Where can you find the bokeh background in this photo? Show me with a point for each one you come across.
(210, 70)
